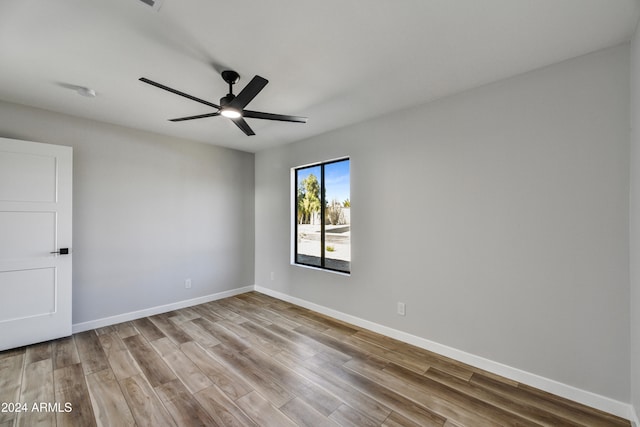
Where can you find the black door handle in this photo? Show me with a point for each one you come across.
(62, 251)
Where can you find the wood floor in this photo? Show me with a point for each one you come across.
(253, 360)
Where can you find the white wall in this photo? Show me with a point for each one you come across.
(635, 222)
(149, 212)
(515, 247)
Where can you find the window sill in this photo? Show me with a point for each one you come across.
(311, 267)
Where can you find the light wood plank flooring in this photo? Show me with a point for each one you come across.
(252, 360)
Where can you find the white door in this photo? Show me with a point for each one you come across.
(35, 222)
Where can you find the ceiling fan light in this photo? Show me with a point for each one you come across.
(230, 113)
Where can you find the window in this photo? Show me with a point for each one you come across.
(323, 191)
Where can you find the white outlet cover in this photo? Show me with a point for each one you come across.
(401, 308)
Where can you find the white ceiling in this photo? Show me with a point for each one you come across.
(336, 61)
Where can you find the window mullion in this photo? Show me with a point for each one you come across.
(322, 213)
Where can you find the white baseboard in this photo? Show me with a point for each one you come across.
(597, 401)
(125, 317)
(635, 422)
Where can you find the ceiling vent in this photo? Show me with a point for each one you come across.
(155, 4)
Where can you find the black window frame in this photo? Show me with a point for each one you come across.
(322, 165)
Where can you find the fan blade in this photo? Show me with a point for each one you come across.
(269, 116)
(177, 92)
(199, 116)
(243, 125)
(249, 92)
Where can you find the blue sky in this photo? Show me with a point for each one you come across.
(336, 179)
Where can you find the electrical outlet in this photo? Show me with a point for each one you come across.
(401, 309)
(187, 283)
(273, 275)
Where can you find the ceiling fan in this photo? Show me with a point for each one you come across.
(232, 106)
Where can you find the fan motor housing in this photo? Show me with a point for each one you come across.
(226, 100)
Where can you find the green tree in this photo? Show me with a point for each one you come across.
(308, 198)
(301, 192)
(346, 203)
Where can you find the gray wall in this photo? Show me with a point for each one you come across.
(635, 223)
(515, 242)
(149, 212)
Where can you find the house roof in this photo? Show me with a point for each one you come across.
(338, 62)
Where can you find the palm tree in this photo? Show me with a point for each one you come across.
(308, 199)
